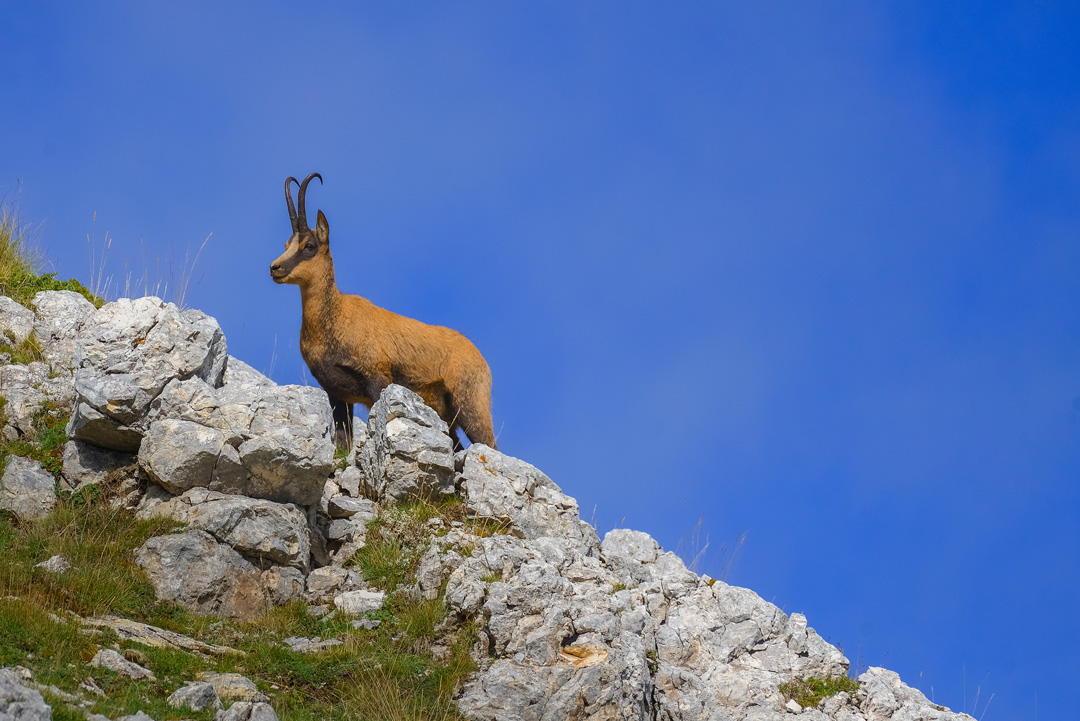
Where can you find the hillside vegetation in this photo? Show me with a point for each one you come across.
(385, 672)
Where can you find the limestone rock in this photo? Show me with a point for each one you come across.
(247, 711)
(30, 388)
(233, 686)
(283, 584)
(351, 480)
(149, 635)
(256, 528)
(86, 464)
(55, 564)
(126, 353)
(109, 659)
(884, 696)
(323, 584)
(239, 372)
(179, 455)
(249, 437)
(408, 451)
(302, 644)
(197, 695)
(286, 469)
(196, 571)
(27, 489)
(17, 701)
(345, 507)
(60, 315)
(357, 602)
(16, 322)
(512, 492)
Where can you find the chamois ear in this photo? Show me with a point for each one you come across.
(322, 228)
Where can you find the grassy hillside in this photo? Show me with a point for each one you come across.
(405, 668)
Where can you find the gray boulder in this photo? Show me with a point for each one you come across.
(54, 564)
(30, 388)
(626, 633)
(351, 480)
(113, 661)
(16, 322)
(882, 696)
(249, 438)
(275, 532)
(232, 686)
(511, 492)
(125, 355)
(196, 571)
(195, 695)
(346, 507)
(27, 489)
(239, 372)
(408, 452)
(359, 601)
(59, 316)
(324, 584)
(565, 645)
(283, 584)
(179, 455)
(19, 703)
(247, 711)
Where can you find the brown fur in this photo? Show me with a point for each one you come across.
(355, 349)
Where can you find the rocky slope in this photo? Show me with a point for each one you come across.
(567, 626)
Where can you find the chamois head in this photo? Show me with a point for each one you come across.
(307, 251)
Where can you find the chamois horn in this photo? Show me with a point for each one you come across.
(300, 199)
(288, 200)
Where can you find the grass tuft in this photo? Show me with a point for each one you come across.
(20, 265)
(808, 692)
(44, 445)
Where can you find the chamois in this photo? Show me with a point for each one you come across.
(355, 349)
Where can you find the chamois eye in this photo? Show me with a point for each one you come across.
(309, 246)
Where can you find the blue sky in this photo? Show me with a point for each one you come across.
(801, 270)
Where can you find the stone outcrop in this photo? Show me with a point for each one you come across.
(569, 626)
(248, 437)
(407, 451)
(125, 355)
(275, 533)
(28, 389)
(59, 316)
(518, 496)
(16, 322)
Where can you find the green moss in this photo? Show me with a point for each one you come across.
(810, 691)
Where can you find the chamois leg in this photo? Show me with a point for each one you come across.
(477, 427)
(473, 416)
(343, 423)
(471, 405)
